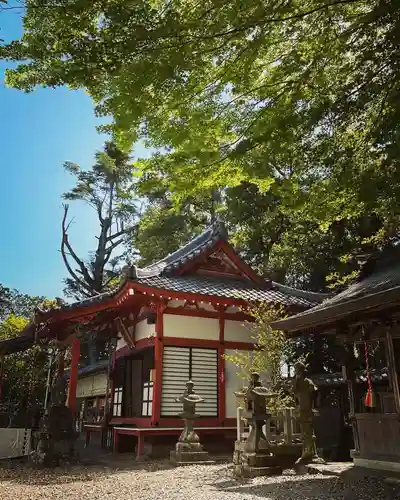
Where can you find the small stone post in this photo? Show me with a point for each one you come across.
(303, 390)
(288, 426)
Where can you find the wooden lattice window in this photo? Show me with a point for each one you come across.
(189, 363)
(117, 405)
(147, 399)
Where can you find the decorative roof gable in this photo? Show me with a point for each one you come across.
(218, 264)
(209, 254)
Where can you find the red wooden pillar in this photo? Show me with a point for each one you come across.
(158, 365)
(221, 370)
(73, 376)
(110, 395)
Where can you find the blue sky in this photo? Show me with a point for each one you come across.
(39, 131)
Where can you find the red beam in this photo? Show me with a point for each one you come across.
(171, 422)
(221, 370)
(112, 388)
(178, 341)
(158, 365)
(73, 377)
(240, 346)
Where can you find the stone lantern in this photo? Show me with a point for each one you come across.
(188, 448)
(252, 456)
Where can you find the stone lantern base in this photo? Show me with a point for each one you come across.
(249, 464)
(188, 449)
(189, 453)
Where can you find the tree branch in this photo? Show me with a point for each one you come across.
(65, 244)
(115, 235)
(109, 250)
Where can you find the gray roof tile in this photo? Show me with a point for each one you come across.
(191, 250)
(380, 274)
(226, 288)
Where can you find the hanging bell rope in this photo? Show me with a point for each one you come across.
(370, 400)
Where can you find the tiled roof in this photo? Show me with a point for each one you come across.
(90, 369)
(161, 275)
(382, 276)
(207, 239)
(312, 297)
(377, 282)
(227, 288)
(96, 299)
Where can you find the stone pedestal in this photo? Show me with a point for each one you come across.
(252, 464)
(190, 457)
(189, 453)
(188, 449)
(309, 448)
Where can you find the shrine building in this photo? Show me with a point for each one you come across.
(171, 321)
(364, 319)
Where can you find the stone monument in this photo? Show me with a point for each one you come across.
(56, 437)
(252, 456)
(303, 389)
(188, 449)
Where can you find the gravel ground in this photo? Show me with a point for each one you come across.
(157, 481)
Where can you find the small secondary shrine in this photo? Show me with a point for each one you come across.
(366, 318)
(173, 321)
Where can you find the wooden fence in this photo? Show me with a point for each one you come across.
(283, 427)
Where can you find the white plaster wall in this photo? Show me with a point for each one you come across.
(232, 383)
(143, 330)
(190, 327)
(94, 385)
(99, 384)
(84, 387)
(120, 343)
(237, 331)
